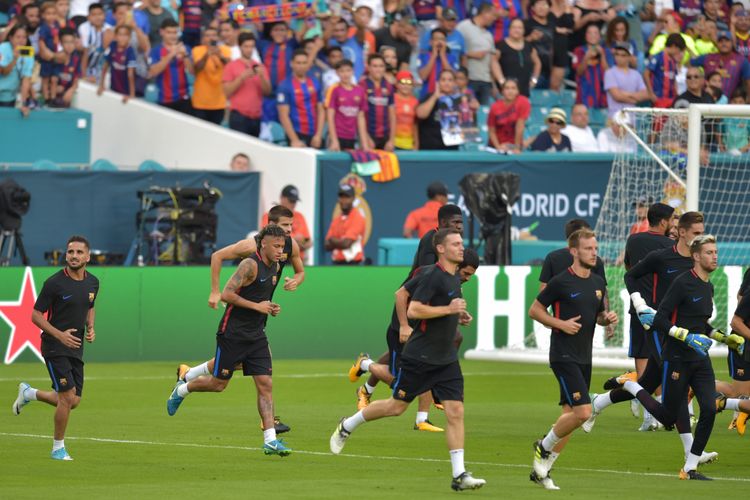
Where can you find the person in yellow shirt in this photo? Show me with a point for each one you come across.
(671, 22)
(208, 99)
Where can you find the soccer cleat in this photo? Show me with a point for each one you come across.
(467, 482)
(707, 457)
(589, 424)
(339, 437)
(544, 482)
(60, 454)
(356, 371)
(733, 424)
(649, 423)
(21, 400)
(693, 475)
(541, 460)
(741, 423)
(721, 402)
(635, 408)
(277, 447)
(279, 426)
(182, 371)
(439, 406)
(175, 400)
(427, 426)
(363, 398)
(617, 382)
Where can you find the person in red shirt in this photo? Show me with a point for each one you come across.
(641, 211)
(245, 83)
(300, 232)
(345, 238)
(425, 218)
(507, 119)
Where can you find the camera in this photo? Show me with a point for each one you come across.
(26, 51)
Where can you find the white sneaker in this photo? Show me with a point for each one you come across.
(21, 400)
(467, 482)
(339, 437)
(542, 463)
(588, 424)
(635, 408)
(545, 482)
(707, 457)
(649, 423)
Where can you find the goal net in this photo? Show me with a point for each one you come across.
(691, 159)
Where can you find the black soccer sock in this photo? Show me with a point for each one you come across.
(619, 395)
(655, 408)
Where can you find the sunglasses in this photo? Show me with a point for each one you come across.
(556, 122)
(405, 81)
(693, 77)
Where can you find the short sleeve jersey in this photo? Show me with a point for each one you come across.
(560, 260)
(638, 246)
(432, 339)
(662, 267)
(571, 296)
(67, 302)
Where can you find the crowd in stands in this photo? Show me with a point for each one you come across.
(387, 74)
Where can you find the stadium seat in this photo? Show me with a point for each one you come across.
(45, 165)
(547, 98)
(597, 117)
(567, 98)
(103, 165)
(151, 94)
(151, 166)
(277, 134)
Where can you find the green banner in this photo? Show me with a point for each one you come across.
(162, 313)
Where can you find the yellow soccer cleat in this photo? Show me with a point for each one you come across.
(427, 426)
(363, 398)
(356, 370)
(733, 424)
(741, 422)
(182, 371)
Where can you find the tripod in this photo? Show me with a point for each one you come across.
(10, 242)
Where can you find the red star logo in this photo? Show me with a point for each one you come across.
(17, 314)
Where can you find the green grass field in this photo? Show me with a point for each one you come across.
(125, 445)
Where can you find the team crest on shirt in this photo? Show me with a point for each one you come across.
(599, 294)
(283, 258)
(740, 372)
(576, 396)
(273, 280)
(91, 296)
(401, 393)
(675, 375)
(224, 372)
(356, 98)
(63, 381)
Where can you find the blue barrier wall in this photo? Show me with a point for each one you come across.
(103, 206)
(62, 136)
(554, 188)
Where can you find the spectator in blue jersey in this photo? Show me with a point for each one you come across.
(351, 46)
(454, 38)
(69, 71)
(245, 82)
(15, 69)
(506, 11)
(170, 66)
(135, 17)
(433, 62)
(589, 64)
(426, 12)
(120, 61)
(138, 41)
(276, 47)
(312, 47)
(661, 71)
(191, 14)
(300, 105)
(381, 113)
(733, 67)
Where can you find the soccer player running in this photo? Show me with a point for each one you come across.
(662, 267)
(561, 259)
(638, 245)
(68, 298)
(241, 338)
(449, 216)
(429, 360)
(683, 315)
(387, 372)
(578, 299)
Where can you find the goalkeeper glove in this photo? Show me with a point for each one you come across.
(733, 341)
(696, 341)
(645, 313)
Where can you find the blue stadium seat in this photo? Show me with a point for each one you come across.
(103, 165)
(45, 165)
(567, 98)
(277, 134)
(151, 166)
(597, 117)
(547, 98)
(538, 114)
(151, 94)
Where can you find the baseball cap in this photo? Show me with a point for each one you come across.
(291, 192)
(404, 75)
(436, 188)
(346, 190)
(623, 46)
(723, 34)
(360, 3)
(450, 14)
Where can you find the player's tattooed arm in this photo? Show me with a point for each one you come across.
(244, 275)
(238, 250)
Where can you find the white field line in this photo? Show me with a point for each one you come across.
(367, 457)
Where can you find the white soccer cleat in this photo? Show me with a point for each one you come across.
(707, 457)
(589, 424)
(545, 482)
(635, 408)
(339, 437)
(467, 482)
(649, 423)
(542, 463)
(21, 400)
